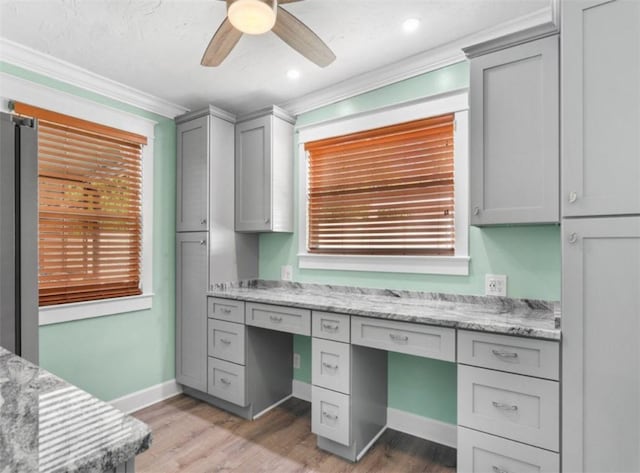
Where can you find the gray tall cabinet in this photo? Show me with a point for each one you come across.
(208, 250)
(600, 119)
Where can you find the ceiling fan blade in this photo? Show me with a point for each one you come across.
(221, 44)
(298, 35)
(282, 2)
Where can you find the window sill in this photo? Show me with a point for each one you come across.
(56, 314)
(449, 265)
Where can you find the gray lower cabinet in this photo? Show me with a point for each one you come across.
(600, 107)
(514, 161)
(600, 349)
(191, 309)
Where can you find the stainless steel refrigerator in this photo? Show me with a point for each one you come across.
(19, 236)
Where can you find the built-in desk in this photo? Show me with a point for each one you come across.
(507, 351)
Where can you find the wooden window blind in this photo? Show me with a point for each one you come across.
(89, 209)
(387, 191)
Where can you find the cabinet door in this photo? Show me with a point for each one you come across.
(253, 175)
(191, 309)
(601, 107)
(601, 353)
(515, 135)
(191, 174)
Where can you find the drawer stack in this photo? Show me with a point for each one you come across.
(226, 350)
(331, 376)
(508, 403)
(349, 388)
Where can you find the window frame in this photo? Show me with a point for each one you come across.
(454, 102)
(14, 88)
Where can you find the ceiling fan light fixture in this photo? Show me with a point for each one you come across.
(252, 16)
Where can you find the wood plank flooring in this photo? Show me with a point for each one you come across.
(193, 437)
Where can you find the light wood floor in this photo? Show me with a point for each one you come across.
(193, 437)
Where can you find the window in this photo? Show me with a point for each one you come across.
(387, 191)
(90, 215)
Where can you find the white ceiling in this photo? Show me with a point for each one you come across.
(156, 45)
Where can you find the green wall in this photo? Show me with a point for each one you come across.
(528, 255)
(116, 355)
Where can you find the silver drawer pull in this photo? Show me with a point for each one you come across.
(504, 406)
(226, 341)
(329, 365)
(225, 310)
(225, 381)
(398, 338)
(203, 242)
(329, 416)
(203, 221)
(330, 328)
(275, 318)
(497, 469)
(504, 354)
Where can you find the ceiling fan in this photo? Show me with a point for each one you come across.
(260, 16)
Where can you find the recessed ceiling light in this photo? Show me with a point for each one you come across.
(410, 25)
(293, 74)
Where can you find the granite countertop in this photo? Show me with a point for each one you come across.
(522, 317)
(49, 425)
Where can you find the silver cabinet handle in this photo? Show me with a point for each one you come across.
(476, 210)
(226, 341)
(504, 406)
(225, 310)
(275, 318)
(203, 221)
(573, 196)
(330, 328)
(329, 416)
(573, 237)
(267, 220)
(398, 338)
(225, 381)
(504, 354)
(329, 365)
(497, 469)
(203, 242)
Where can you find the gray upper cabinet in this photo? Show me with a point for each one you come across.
(601, 108)
(191, 309)
(514, 134)
(191, 173)
(264, 172)
(600, 350)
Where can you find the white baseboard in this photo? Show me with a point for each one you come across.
(413, 424)
(423, 427)
(301, 390)
(145, 397)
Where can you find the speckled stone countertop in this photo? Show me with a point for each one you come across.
(49, 425)
(522, 317)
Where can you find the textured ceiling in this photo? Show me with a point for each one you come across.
(156, 46)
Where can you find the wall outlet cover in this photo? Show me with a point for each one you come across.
(286, 272)
(296, 361)
(495, 285)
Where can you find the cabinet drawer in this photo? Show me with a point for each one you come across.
(509, 405)
(405, 337)
(275, 317)
(226, 340)
(330, 415)
(502, 352)
(331, 364)
(225, 309)
(226, 381)
(331, 326)
(481, 453)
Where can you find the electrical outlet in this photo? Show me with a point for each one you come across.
(286, 272)
(296, 361)
(495, 285)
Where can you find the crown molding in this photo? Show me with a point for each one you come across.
(423, 62)
(54, 68)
